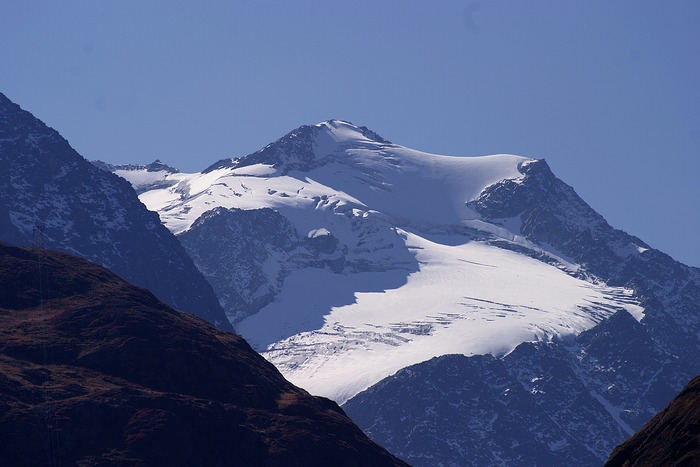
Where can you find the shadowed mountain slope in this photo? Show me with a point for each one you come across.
(95, 371)
(91, 213)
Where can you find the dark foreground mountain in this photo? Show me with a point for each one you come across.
(52, 195)
(672, 437)
(94, 371)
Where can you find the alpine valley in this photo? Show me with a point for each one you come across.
(465, 310)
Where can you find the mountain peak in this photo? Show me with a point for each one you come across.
(302, 147)
(15, 120)
(155, 166)
(6, 103)
(344, 128)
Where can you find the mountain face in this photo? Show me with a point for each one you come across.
(365, 260)
(243, 243)
(95, 371)
(593, 390)
(672, 437)
(300, 149)
(487, 417)
(541, 404)
(89, 212)
(333, 245)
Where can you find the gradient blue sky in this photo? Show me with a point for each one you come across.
(607, 91)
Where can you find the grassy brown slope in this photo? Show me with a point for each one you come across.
(671, 438)
(96, 371)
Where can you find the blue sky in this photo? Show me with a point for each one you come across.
(607, 91)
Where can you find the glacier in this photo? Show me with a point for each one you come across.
(409, 269)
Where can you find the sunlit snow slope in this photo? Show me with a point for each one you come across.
(386, 264)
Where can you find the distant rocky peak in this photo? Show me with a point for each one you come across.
(15, 123)
(158, 166)
(12, 115)
(301, 148)
(155, 166)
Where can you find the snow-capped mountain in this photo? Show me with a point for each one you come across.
(50, 195)
(591, 392)
(332, 246)
(344, 258)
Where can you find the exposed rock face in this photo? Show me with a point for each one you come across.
(296, 150)
(233, 246)
(542, 404)
(155, 166)
(94, 371)
(487, 417)
(672, 437)
(92, 213)
(246, 255)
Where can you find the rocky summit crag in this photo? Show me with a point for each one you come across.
(95, 371)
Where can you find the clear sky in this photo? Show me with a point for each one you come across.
(608, 91)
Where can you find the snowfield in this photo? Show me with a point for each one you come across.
(465, 299)
(420, 275)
